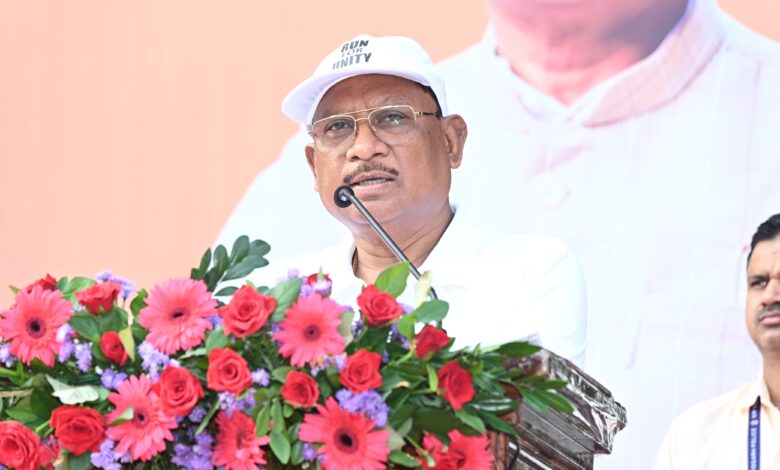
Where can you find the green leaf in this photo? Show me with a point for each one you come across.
(393, 279)
(433, 311)
(435, 420)
(262, 421)
(209, 415)
(86, 326)
(518, 348)
(76, 284)
(221, 259)
(497, 423)
(404, 459)
(226, 291)
(244, 268)
(406, 325)
(259, 247)
(139, 302)
(285, 294)
(216, 339)
(111, 320)
(126, 416)
(22, 412)
(194, 353)
(42, 403)
(126, 337)
(471, 420)
(70, 395)
(280, 373)
(15, 290)
(280, 445)
(433, 379)
(82, 462)
(205, 261)
(240, 249)
(277, 417)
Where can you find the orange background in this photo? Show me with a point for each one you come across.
(129, 130)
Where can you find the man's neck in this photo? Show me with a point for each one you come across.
(417, 241)
(772, 378)
(566, 49)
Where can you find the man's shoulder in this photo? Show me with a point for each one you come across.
(744, 42)
(710, 412)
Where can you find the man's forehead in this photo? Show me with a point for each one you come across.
(367, 91)
(766, 254)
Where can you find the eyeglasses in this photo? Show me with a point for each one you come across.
(394, 125)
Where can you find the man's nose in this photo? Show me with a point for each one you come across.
(366, 145)
(772, 291)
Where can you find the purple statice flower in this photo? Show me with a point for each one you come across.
(291, 274)
(322, 287)
(64, 336)
(107, 459)
(127, 287)
(246, 404)
(111, 378)
(5, 355)
(309, 452)
(83, 355)
(215, 320)
(153, 360)
(196, 456)
(227, 403)
(197, 414)
(369, 404)
(261, 377)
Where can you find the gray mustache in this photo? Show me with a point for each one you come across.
(769, 310)
(365, 168)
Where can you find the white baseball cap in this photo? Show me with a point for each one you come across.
(388, 55)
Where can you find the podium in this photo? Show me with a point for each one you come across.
(554, 440)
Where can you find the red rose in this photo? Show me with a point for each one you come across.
(111, 347)
(300, 389)
(361, 372)
(247, 312)
(179, 391)
(78, 429)
(228, 372)
(99, 296)
(311, 279)
(378, 307)
(430, 340)
(46, 283)
(455, 384)
(19, 446)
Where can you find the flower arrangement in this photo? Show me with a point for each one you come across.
(95, 374)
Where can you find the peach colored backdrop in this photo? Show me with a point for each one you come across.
(129, 130)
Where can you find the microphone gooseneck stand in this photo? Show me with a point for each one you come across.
(344, 197)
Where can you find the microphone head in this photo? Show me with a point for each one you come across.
(343, 196)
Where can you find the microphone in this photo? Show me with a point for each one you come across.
(344, 197)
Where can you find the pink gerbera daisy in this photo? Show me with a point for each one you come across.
(348, 442)
(176, 314)
(237, 446)
(31, 325)
(309, 330)
(144, 435)
(462, 452)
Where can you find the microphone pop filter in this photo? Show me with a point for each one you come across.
(343, 196)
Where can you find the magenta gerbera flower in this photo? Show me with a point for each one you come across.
(176, 314)
(143, 436)
(31, 325)
(348, 442)
(309, 330)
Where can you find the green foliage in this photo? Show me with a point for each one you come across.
(218, 266)
(393, 279)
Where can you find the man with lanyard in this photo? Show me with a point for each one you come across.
(377, 115)
(741, 429)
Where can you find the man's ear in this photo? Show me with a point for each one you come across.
(310, 160)
(455, 133)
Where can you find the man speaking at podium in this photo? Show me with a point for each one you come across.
(376, 111)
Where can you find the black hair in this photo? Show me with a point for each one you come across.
(429, 91)
(768, 230)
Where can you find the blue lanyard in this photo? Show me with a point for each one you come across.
(754, 437)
